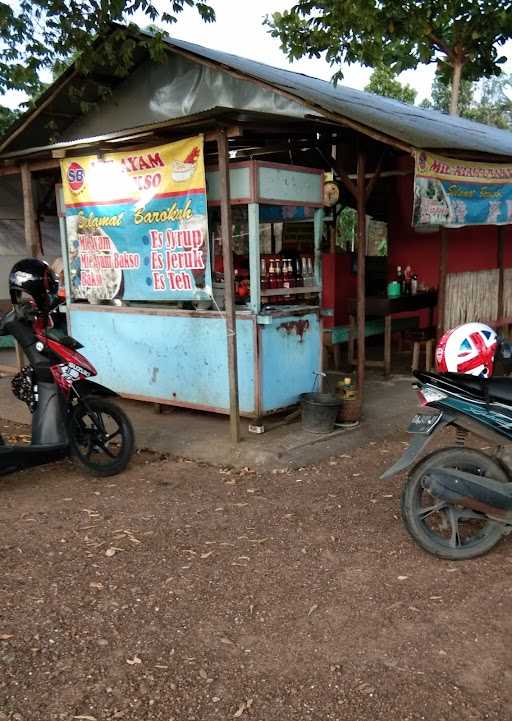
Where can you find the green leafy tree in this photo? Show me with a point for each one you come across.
(441, 96)
(383, 81)
(461, 36)
(485, 102)
(37, 35)
(7, 118)
(495, 107)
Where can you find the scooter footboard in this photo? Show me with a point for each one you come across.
(49, 419)
(14, 458)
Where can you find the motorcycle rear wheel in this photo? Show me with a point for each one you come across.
(101, 436)
(448, 531)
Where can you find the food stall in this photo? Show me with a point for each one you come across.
(142, 250)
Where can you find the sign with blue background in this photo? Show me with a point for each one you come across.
(137, 224)
(453, 192)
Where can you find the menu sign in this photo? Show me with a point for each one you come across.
(448, 191)
(137, 224)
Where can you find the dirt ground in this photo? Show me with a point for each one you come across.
(184, 592)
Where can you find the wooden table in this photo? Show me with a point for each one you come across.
(382, 307)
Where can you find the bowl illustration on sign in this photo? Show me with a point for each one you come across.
(184, 169)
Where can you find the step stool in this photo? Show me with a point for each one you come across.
(425, 343)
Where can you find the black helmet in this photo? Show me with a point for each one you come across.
(35, 278)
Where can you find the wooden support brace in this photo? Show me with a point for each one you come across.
(376, 176)
(347, 182)
(361, 270)
(31, 231)
(229, 285)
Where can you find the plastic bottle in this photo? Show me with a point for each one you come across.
(400, 277)
(407, 280)
(414, 284)
(287, 278)
(279, 279)
(263, 274)
(311, 272)
(271, 280)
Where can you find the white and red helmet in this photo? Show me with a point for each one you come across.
(469, 348)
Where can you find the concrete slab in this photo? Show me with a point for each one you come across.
(204, 437)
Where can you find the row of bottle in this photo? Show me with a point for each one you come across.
(278, 272)
(407, 279)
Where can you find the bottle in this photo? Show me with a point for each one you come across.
(414, 284)
(271, 279)
(311, 272)
(309, 278)
(407, 280)
(291, 274)
(400, 277)
(279, 279)
(263, 274)
(287, 278)
(299, 280)
(305, 276)
(237, 284)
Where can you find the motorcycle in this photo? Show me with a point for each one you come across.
(71, 414)
(457, 501)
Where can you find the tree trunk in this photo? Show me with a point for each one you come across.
(456, 77)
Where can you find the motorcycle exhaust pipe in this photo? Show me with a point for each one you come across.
(490, 497)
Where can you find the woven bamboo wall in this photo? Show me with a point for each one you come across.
(507, 293)
(474, 297)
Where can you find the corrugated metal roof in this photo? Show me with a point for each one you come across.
(412, 126)
(415, 126)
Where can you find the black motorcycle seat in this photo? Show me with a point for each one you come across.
(498, 388)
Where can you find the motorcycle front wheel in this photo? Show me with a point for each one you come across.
(444, 530)
(101, 436)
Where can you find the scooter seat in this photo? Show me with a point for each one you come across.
(496, 389)
(500, 389)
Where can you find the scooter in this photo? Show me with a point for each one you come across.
(457, 502)
(71, 414)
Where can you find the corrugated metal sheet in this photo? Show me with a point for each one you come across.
(178, 88)
(408, 123)
(413, 126)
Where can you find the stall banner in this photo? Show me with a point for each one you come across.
(452, 192)
(137, 224)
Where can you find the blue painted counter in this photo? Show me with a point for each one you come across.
(289, 356)
(180, 357)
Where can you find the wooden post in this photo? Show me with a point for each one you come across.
(31, 232)
(318, 225)
(31, 235)
(441, 295)
(20, 356)
(253, 217)
(361, 270)
(387, 345)
(229, 285)
(501, 271)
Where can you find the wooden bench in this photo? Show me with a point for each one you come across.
(373, 327)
